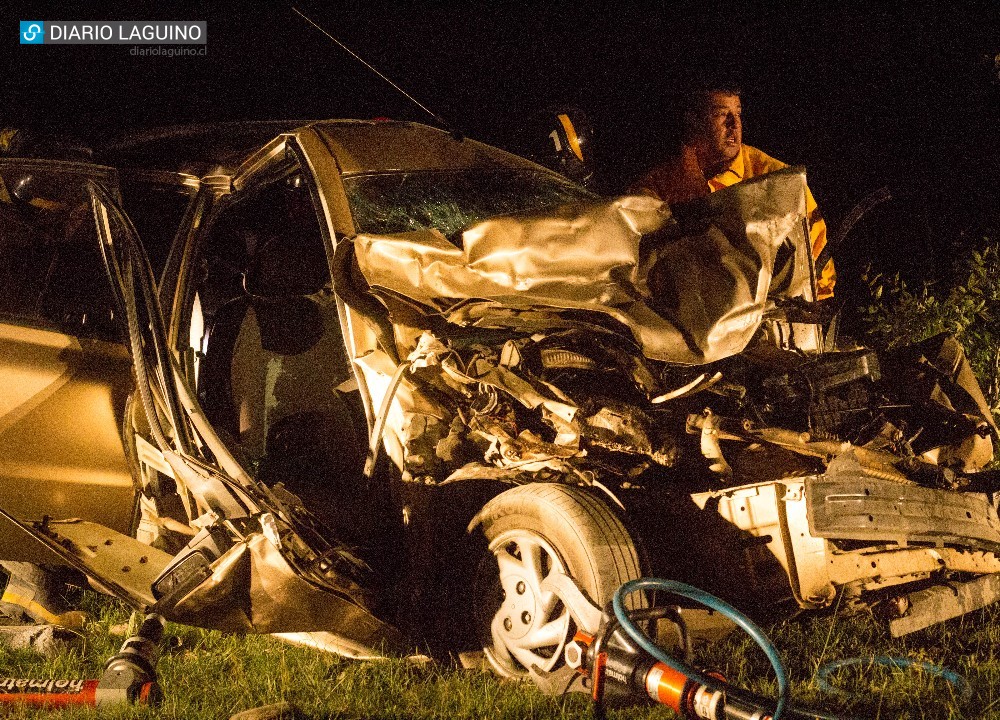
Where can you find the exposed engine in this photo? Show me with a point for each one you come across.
(584, 405)
(624, 342)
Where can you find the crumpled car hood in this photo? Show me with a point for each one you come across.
(692, 286)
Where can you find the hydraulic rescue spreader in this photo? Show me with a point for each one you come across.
(622, 664)
(619, 671)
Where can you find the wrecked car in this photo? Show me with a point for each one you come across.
(385, 384)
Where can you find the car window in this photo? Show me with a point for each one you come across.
(264, 323)
(156, 210)
(266, 242)
(450, 201)
(52, 274)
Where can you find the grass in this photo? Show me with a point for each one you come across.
(210, 675)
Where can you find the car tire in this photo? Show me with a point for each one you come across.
(529, 532)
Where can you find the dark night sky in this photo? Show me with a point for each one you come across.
(905, 97)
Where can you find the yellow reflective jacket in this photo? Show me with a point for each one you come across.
(680, 178)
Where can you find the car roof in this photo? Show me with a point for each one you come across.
(187, 147)
(358, 145)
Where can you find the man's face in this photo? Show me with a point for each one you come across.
(722, 130)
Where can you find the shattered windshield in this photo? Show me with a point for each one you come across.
(450, 201)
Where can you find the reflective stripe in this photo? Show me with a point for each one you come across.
(574, 141)
(31, 606)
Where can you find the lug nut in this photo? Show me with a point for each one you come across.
(526, 617)
(520, 587)
(573, 654)
(507, 624)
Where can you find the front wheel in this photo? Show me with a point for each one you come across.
(532, 531)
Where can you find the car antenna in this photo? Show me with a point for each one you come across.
(455, 132)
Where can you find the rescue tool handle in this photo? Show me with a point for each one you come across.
(710, 601)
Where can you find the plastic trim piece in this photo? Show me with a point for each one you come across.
(859, 508)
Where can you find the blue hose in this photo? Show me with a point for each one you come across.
(710, 601)
(949, 676)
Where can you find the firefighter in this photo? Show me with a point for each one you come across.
(712, 156)
(561, 139)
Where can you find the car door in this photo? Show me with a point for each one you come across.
(65, 370)
(256, 558)
(257, 313)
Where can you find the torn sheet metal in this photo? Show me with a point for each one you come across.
(818, 569)
(122, 565)
(253, 587)
(936, 376)
(874, 564)
(111, 555)
(937, 368)
(691, 289)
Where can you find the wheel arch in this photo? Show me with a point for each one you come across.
(578, 533)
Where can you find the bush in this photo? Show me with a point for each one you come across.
(966, 305)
